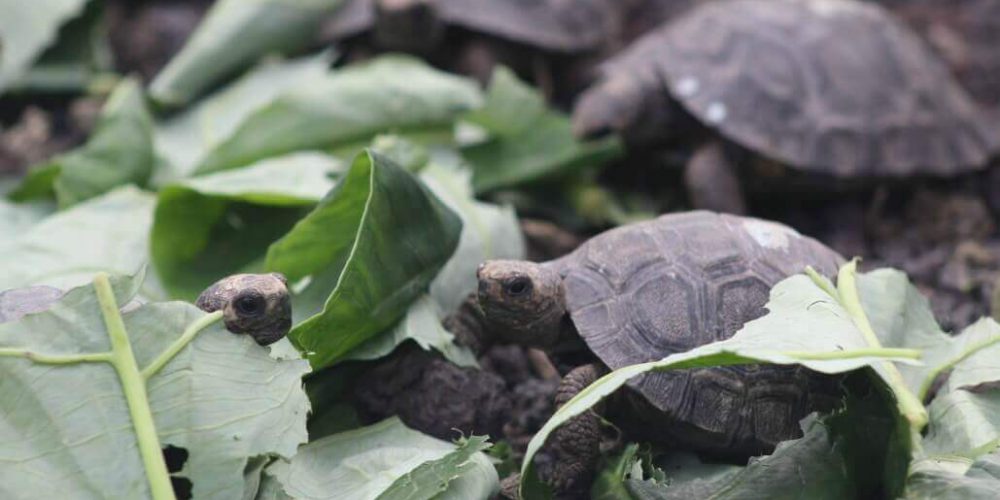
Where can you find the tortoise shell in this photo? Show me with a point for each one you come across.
(641, 292)
(833, 86)
(18, 302)
(563, 26)
(966, 33)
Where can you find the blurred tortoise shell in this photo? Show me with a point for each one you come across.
(831, 86)
(561, 26)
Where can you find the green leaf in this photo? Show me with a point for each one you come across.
(119, 152)
(26, 29)
(528, 141)
(16, 218)
(370, 248)
(211, 226)
(385, 461)
(488, 232)
(108, 233)
(67, 430)
(808, 467)
(808, 323)
(78, 62)
(964, 423)
(233, 35)
(421, 324)
(182, 141)
(610, 481)
(347, 109)
(936, 479)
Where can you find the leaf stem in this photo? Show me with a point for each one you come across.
(882, 352)
(908, 404)
(57, 359)
(134, 388)
(189, 334)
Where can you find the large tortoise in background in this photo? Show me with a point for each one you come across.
(639, 293)
(837, 89)
(536, 38)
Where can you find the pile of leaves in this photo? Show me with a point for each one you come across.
(363, 184)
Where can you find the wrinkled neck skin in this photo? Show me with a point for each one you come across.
(472, 330)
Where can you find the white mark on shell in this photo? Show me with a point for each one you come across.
(716, 112)
(769, 234)
(687, 86)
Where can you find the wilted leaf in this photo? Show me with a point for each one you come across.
(26, 29)
(349, 108)
(182, 141)
(385, 461)
(933, 481)
(222, 398)
(233, 35)
(211, 226)
(809, 467)
(108, 233)
(370, 248)
(528, 141)
(119, 152)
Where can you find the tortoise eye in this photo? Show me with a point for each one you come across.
(249, 304)
(518, 287)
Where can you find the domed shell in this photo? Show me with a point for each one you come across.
(833, 86)
(17, 302)
(552, 25)
(644, 291)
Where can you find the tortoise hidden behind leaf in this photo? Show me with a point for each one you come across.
(639, 293)
(256, 304)
(836, 88)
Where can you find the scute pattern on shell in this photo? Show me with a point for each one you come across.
(833, 86)
(642, 292)
(553, 25)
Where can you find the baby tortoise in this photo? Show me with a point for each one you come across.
(837, 89)
(255, 304)
(639, 293)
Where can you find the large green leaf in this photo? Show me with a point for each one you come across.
(26, 29)
(488, 232)
(809, 467)
(211, 226)
(108, 233)
(809, 323)
(16, 218)
(182, 141)
(233, 35)
(119, 152)
(369, 249)
(528, 141)
(348, 108)
(72, 429)
(385, 461)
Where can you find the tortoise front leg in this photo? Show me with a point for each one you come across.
(576, 445)
(712, 182)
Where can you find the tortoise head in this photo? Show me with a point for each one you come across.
(410, 25)
(523, 302)
(255, 304)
